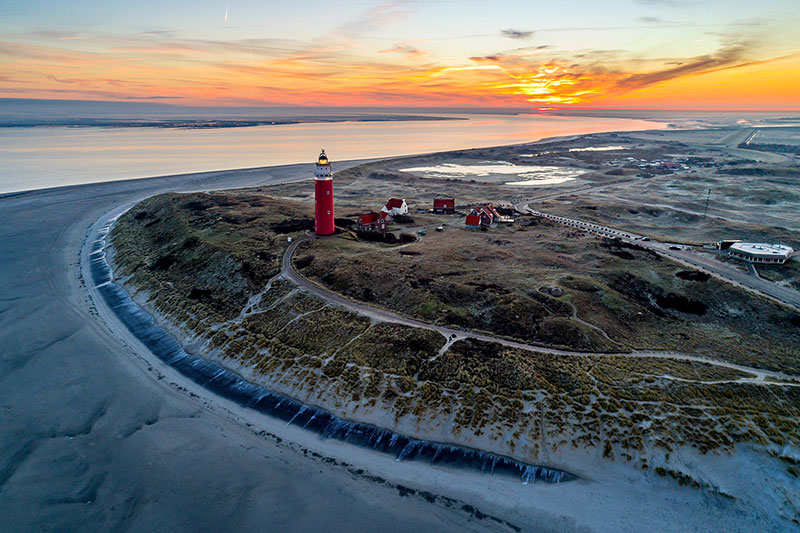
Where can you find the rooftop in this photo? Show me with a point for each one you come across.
(763, 249)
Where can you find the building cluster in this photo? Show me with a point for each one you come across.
(375, 222)
(486, 216)
(651, 165)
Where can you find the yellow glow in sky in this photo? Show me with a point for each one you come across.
(625, 54)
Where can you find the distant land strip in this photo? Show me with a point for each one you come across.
(206, 123)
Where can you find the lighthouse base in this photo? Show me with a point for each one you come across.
(323, 207)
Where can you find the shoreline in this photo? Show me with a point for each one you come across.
(192, 124)
(232, 441)
(617, 488)
(230, 385)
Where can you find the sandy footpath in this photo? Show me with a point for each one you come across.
(97, 434)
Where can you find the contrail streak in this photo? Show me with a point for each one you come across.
(227, 6)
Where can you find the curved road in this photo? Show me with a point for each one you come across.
(290, 274)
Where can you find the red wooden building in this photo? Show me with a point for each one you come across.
(373, 222)
(444, 205)
(489, 215)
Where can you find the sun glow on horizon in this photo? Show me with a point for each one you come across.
(361, 60)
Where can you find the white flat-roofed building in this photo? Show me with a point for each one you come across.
(757, 252)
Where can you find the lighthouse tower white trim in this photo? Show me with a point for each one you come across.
(323, 171)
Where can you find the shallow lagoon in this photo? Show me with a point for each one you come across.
(499, 171)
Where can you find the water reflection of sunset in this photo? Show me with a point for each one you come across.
(31, 156)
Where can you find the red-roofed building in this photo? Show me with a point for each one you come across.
(490, 208)
(473, 220)
(444, 206)
(372, 222)
(490, 216)
(396, 206)
(487, 217)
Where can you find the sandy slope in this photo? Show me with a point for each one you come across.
(96, 434)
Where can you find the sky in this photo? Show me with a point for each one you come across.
(640, 54)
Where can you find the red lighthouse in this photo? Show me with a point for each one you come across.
(323, 197)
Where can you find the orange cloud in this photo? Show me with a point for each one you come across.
(345, 72)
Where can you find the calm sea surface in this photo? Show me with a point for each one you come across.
(34, 158)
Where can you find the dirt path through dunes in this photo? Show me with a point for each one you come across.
(375, 313)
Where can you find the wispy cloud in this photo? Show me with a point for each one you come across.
(404, 49)
(650, 20)
(572, 77)
(517, 34)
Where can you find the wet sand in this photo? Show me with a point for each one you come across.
(98, 434)
(91, 440)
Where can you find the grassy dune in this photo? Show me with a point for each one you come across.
(527, 281)
(205, 260)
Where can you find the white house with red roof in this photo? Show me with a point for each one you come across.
(396, 206)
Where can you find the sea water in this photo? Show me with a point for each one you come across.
(40, 157)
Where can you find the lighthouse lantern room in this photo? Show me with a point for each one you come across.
(323, 197)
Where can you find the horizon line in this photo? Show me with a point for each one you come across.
(540, 109)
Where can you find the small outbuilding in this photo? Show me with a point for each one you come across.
(473, 220)
(444, 206)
